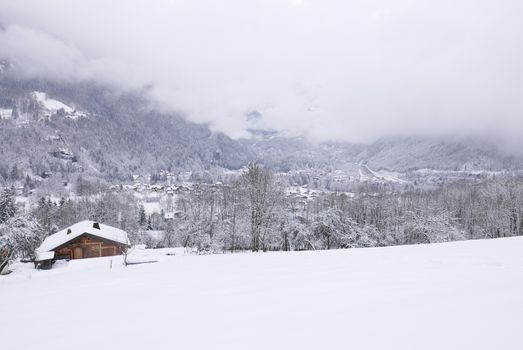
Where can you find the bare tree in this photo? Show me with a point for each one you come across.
(262, 194)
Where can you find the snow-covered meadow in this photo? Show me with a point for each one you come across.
(463, 295)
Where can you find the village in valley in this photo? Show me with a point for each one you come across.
(261, 175)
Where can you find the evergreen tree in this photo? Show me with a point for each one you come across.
(7, 205)
(142, 219)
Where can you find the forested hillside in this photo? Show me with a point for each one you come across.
(116, 134)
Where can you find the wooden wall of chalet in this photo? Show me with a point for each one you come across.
(88, 246)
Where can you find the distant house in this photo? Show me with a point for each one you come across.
(63, 153)
(172, 215)
(86, 239)
(157, 188)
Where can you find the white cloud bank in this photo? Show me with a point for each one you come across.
(332, 69)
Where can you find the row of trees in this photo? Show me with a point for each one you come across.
(254, 213)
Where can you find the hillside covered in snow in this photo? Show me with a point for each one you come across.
(464, 295)
(66, 128)
(61, 129)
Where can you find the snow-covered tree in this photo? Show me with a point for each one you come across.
(262, 195)
(19, 238)
(429, 229)
(7, 205)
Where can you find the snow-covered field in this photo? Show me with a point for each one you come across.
(466, 295)
(51, 106)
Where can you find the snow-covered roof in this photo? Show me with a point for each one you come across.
(41, 256)
(78, 229)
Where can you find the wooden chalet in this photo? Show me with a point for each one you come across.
(86, 239)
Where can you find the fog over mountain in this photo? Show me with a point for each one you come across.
(330, 70)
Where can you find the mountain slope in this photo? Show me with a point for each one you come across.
(110, 134)
(411, 153)
(394, 154)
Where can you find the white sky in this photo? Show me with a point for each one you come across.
(331, 69)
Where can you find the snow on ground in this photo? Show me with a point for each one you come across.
(51, 104)
(6, 113)
(389, 176)
(465, 295)
(459, 172)
(152, 207)
(366, 174)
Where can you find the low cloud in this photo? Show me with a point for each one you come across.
(329, 69)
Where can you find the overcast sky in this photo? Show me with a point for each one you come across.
(332, 69)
